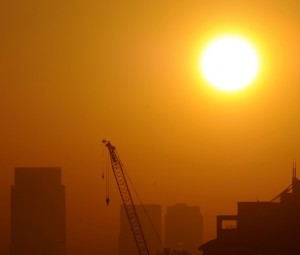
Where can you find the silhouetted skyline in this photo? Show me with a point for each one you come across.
(75, 72)
(38, 219)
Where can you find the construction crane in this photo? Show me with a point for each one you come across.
(130, 209)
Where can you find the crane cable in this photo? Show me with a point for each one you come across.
(106, 175)
(142, 204)
(107, 179)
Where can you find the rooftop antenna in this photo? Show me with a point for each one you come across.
(294, 169)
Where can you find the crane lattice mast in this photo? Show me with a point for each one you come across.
(127, 199)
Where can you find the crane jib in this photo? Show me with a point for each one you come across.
(127, 200)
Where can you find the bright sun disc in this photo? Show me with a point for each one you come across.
(229, 63)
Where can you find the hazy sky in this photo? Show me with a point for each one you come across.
(75, 72)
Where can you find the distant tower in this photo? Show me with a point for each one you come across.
(184, 228)
(38, 212)
(127, 245)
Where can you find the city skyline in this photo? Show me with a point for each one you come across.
(38, 221)
(38, 207)
(75, 72)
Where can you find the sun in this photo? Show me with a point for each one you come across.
(229, 63)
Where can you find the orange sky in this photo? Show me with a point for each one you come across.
(75, 72)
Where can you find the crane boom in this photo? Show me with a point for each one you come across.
(127, 199)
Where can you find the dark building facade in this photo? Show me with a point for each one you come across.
(174, 252)
(127, 245)
(38, 225)
(183, 228)
(264, 228)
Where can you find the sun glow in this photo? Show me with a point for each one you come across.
(229, 63)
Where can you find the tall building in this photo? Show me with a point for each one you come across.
(38, 212)
(262, 227)
(127, 245)
(183, 228)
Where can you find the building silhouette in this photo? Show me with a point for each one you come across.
(264, 228)
(127, 245)
(38, 212)
(174, 252)
(183, 228)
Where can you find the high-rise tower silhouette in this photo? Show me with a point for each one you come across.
(38, 212)
(183, 228)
